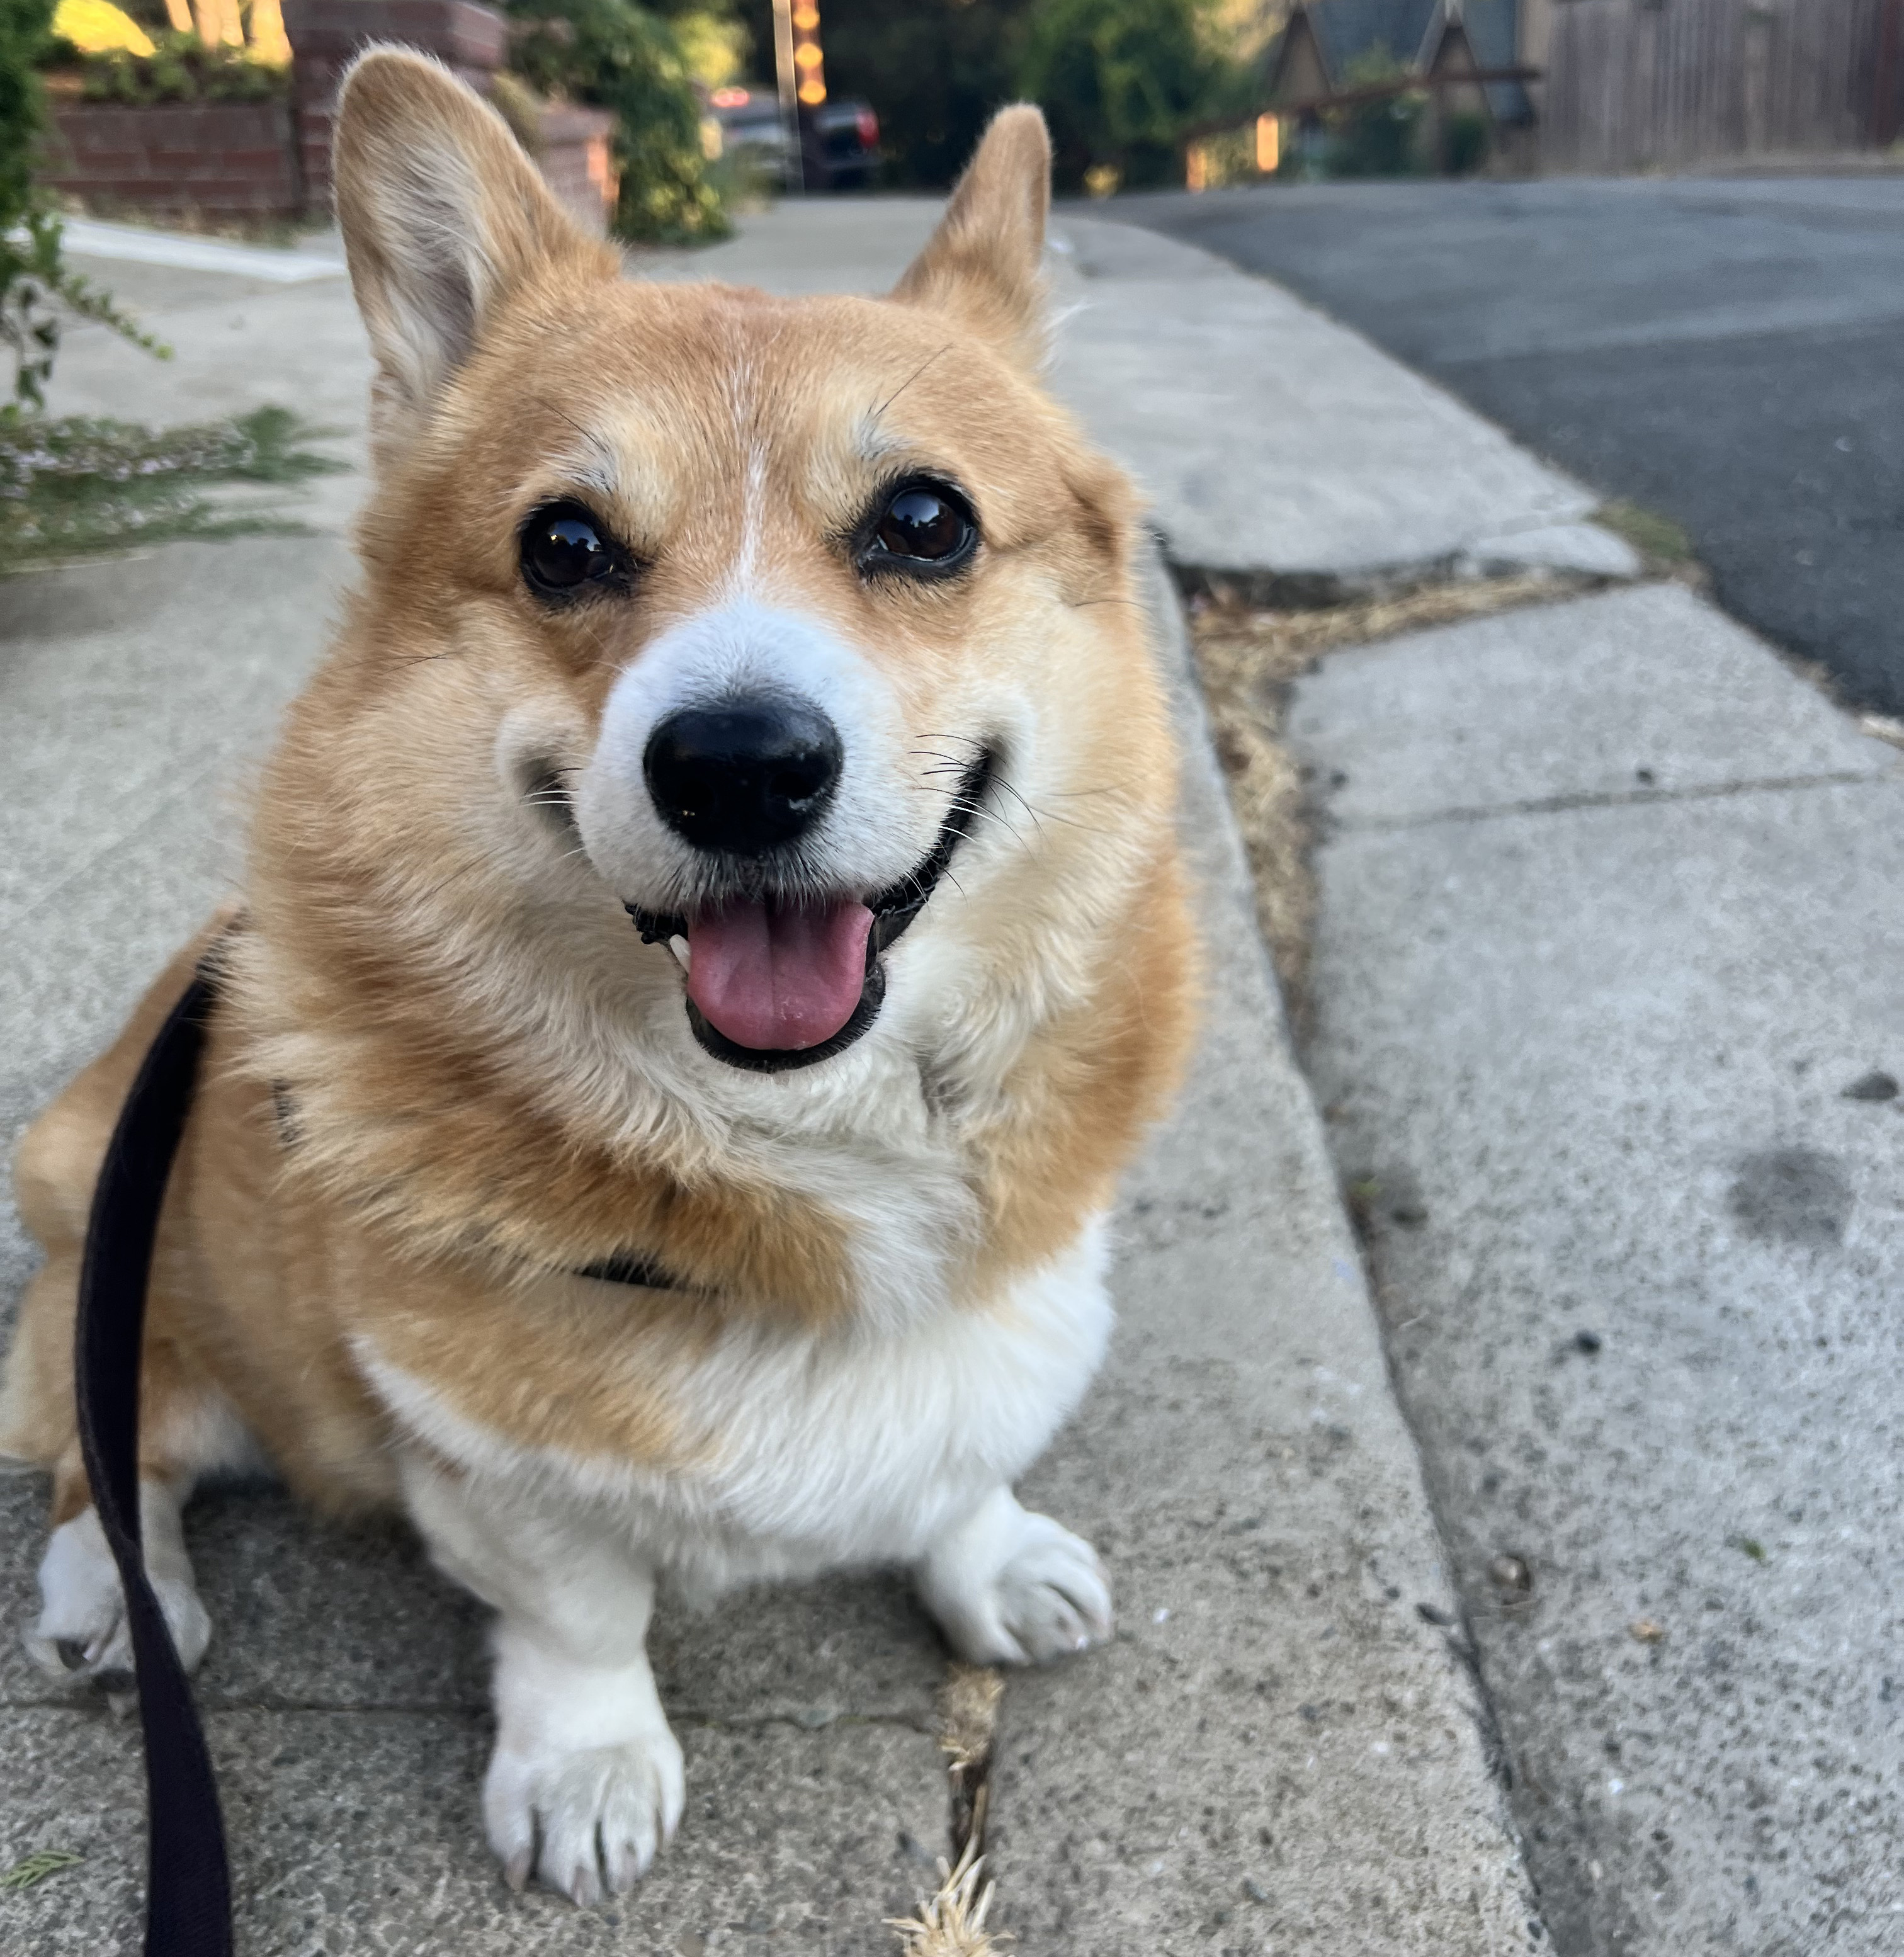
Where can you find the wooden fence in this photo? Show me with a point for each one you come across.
(1634, 84)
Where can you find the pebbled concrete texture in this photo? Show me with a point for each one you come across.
(1634, 694)
(1584, 1042)
(360, 1834)
(1272, 440)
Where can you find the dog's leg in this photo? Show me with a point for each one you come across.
(1011, 1588)
(189, 1432)
(583, 1758)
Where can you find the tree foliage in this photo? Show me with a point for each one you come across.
(26, 38)
(1120, 81)
(34, 280)
(612, 54)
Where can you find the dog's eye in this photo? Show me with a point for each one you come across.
(564, 548)
(924, 524)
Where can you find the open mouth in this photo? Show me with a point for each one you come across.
(773, 985)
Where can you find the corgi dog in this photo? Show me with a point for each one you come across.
(714, 932)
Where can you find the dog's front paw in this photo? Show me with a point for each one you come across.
(600, 1815)
(585, 1786)
(82, 1633)
(1010, 1588)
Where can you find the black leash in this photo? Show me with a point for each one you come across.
(188, 1900)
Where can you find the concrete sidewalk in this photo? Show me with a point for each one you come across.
(1608, 1026)
(1282, 1751)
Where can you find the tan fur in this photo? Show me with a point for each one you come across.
(403, 996)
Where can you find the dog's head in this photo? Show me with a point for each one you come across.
(784, 628)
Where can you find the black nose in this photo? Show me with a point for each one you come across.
(744, 777)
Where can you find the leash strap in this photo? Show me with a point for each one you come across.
(188, 1910)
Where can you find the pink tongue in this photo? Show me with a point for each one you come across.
(780, 978)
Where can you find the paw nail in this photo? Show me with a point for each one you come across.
(515, 1871)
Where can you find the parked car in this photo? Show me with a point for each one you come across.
(747, 125)
(840, 145)
(839, 140)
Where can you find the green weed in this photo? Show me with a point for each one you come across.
(1652, 535)
(74, 486)
(36, 1868)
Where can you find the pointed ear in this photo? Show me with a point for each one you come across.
(443, 217)
(985, 262)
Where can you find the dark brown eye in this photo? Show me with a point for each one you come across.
(563, 549)
(923, 524)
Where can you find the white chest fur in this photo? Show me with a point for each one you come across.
(850, 1447)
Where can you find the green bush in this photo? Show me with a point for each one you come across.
(182, 68)
(26, 38)
(71, 486)
(1120, 82)
(32, 276)
(611, 54)
(1466, 137)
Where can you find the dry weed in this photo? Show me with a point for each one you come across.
(952, 1923)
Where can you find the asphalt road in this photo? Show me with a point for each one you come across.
(1727, 352)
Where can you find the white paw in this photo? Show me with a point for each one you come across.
(1009, 1588)
(82, 1633)
(599, 1815)
(585, 1786)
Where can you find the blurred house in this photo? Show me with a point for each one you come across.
(1333, 46)
(1623, 84)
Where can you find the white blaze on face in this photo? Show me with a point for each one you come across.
(780, 968)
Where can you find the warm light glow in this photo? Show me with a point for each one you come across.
(730, 98)
(1269, 144)
(97, 28)
(1195, 168)
(806, 18)
(813, 93)
(806, 56)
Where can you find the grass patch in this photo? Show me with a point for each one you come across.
(1657, 538)
(75, 486)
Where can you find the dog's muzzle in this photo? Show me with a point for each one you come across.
(776, 982)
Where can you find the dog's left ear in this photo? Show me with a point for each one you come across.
(985, 262)
(443, 217)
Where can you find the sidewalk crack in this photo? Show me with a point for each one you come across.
(1561, 805)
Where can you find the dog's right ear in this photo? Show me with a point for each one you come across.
(443, 217)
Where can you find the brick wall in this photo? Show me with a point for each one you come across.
(232, 159)
(578, 164)
(265, 159)
(325, 34)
